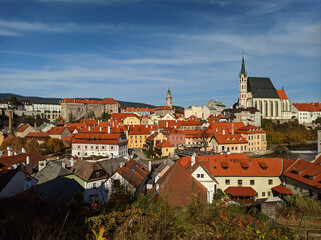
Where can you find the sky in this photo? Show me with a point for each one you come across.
(134, 50)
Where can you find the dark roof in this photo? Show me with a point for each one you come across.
(6, 178)
(163, 167)
(58, 189)
(261, 87)
(111, 165)
(35, 157)
(50, 172)
(237, 110)
(89, 171)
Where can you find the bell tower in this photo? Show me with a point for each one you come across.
(242, 85)
(169, 98)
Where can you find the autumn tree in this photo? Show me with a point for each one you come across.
(6, 143)
(32, 145)
(18, 143)
(54, 145)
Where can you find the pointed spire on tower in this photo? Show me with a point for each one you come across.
(243, 67)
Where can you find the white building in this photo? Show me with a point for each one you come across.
(306, 112)
(200, 112)
(100, 144)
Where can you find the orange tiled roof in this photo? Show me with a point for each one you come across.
(306, 172)
(138, 110)
(250, 129)
(178, 186)
(23, 128)
(97, 138)
(234, 165)
(282, 189)
(281, 94)
(67, 138)
(163, 144)
(169, 124)
(133, 172)
(163, 108)
(241, 191)
(218, 127)
(37, 135)
(7, 162)
(306, 107)
(87, 101)
(213, 118)
(56, 130)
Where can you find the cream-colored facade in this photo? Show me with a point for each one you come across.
(137, 140)
(131, 121)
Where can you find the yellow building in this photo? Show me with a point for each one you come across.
(163, 148)
(255, 136)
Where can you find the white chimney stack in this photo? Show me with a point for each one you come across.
(157, 187)
(193, 159)
(223, 132)
(28, 160)
(23, 150)
(9, 153)
(108, 129)
(100, 129)
(167, 124)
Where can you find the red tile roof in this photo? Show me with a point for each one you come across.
(218, 127)
(56, 130)
(98, 138)
(317, 160)
(23, 128)
(282, 189)
(213, 118)
(178, 187)
(133, 172)
(163, 108)
(67, 138)
(169, 124)
(305, 172)
(250, 129)
(7, 162)
(37, 135)
(241, 191)
(230, 138)
(87, 101)
(138, 110)
(216, 165)
(163, 144)
(281, 94)
(142, 129)
(307, 107)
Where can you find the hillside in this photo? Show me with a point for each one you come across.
(123, 104)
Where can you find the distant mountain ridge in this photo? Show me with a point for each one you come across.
(8, 96)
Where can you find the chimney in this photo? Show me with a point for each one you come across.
(108, 129)
(167, 124)
(150, 165)
(232, 128)
(9, 153)
(23, 150)
(100, 129)
(27, 159)
(157, 187)
(223, 132)
(193, 158)
(89, 128)
(10, 122)
(161, 140)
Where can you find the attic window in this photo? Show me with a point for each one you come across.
(224, 165)
(263, 165)
(295, 172)
(244, 165)
(233, 139)
(227, 139)
(308, 177)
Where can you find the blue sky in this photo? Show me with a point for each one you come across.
(133, 50)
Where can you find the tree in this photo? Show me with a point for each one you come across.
(32, 145)
(6, 143)
(105, 116)
(14, 101)
(317, 121)
(18, 143)
(54, 145)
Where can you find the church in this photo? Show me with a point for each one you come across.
(260, 93)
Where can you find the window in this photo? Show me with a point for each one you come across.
(269, 193)
(227, 181)
(270, 181)
(263, 194)
(111, 147)
(94, 185)
(200, 175)
(252, 182)
(78, 146)
(96, 147)
(239, 182)
(92, 147)
(103, 147)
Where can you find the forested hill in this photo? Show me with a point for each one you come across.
(123, 104)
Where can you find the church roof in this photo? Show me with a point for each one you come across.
(261, 87)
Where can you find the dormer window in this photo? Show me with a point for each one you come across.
(263, 165)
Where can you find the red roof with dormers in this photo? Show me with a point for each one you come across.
(89, 122)
(306, 172)
(142, 129)
(169, 123)
(23, 128)
(229, 138)
(281, 93)
(213, 118)
(218, 127)
(190, 123)
(134, 173)
(235, 165)
(250, 129)
(98, 138)
(307, 107)
(87, 101)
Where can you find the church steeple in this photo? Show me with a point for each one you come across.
(243, 67)
(243, 85)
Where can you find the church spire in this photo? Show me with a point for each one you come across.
(243, 67)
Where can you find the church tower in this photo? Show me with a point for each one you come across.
(169, 98)
(242, 85)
